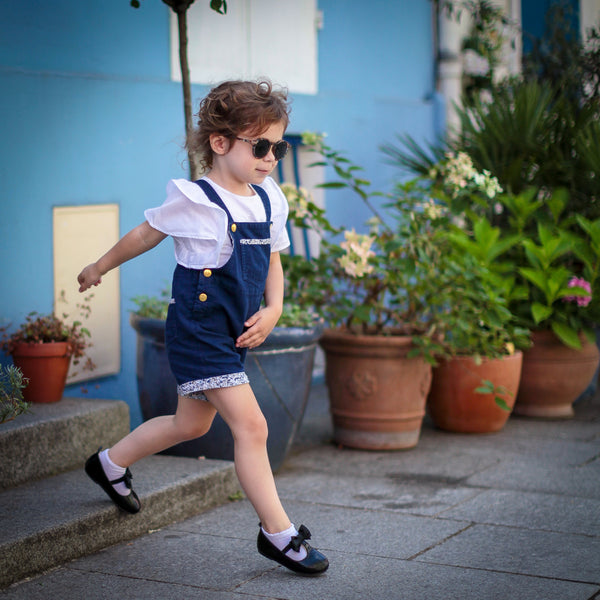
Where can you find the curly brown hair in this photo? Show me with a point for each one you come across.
(233, 107)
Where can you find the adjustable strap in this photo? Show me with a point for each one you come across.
(126, 479)
(265, 200)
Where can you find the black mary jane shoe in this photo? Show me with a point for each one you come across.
(314, 562)
(129, 503)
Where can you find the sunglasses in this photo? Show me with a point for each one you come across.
(262, 146)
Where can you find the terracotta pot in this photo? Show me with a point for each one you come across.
(46, 367)
(453, 403)
(554, 376)
(377, 395)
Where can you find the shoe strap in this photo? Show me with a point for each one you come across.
(298, 540)
(126, 479)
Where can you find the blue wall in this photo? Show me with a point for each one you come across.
(90, 115)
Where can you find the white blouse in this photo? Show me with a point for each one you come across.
(199, 227)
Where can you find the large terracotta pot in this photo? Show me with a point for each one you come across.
(453, 403)
(377, 395)
(553, 376)
(46, 366)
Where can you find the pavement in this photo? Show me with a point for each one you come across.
(513, 515)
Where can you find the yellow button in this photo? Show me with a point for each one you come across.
(233, 227)
(202, 297)
(207, 272)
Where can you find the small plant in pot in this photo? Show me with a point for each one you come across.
(43, 347)
(12, 384)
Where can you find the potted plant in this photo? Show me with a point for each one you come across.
(287, 355)
(394, 299)
(547, 263)
(43, 346)
(558, 267)
(475, 383)
(12, 384)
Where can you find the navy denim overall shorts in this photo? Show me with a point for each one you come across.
(209, 307)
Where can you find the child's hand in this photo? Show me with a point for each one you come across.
(259, 327)
(90, 276)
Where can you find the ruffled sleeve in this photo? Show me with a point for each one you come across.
(198, 226)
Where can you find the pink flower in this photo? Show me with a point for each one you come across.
(581, 300)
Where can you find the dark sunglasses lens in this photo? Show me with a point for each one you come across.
(261, 148)
(280, 150)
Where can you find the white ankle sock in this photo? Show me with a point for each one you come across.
(282, 539)
(113, 472)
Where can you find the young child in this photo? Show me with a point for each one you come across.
(228, 229)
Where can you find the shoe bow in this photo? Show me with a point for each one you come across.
(297, 540)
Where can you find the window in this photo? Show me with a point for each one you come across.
(272, 38)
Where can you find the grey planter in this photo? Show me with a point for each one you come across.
(280, 372)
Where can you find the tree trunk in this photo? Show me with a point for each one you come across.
(187, 93)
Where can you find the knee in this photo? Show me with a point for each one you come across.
(189, 429)
(255, 430)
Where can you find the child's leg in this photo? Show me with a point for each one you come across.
(109, 469)
(277, 539)
(192, 420)
(239, 409)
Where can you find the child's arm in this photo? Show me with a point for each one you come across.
(132, 244)
(261, 323)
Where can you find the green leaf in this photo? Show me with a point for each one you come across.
(219, 6)
(536, 277)
(567, 335)
(342, 172)
(557, 202)
(540, 312)
(501, 403)
(592, 228)
(487, 387)
(333, 184)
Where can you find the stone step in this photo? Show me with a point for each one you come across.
(48, 522)
(58, 437)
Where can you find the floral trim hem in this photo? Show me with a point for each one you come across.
(195, 389)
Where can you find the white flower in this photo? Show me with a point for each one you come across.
(298, 199)
(357, 247)
(432, 210)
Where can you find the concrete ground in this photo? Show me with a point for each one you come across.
(513, 515)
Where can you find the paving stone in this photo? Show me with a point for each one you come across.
(72, 583)
(336, 528)
(535, 474)
(182, 558)
(511, 550)
(419, 495)
(550, 512)
(352, 577)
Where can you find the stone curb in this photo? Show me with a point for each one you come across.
(50, 522)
